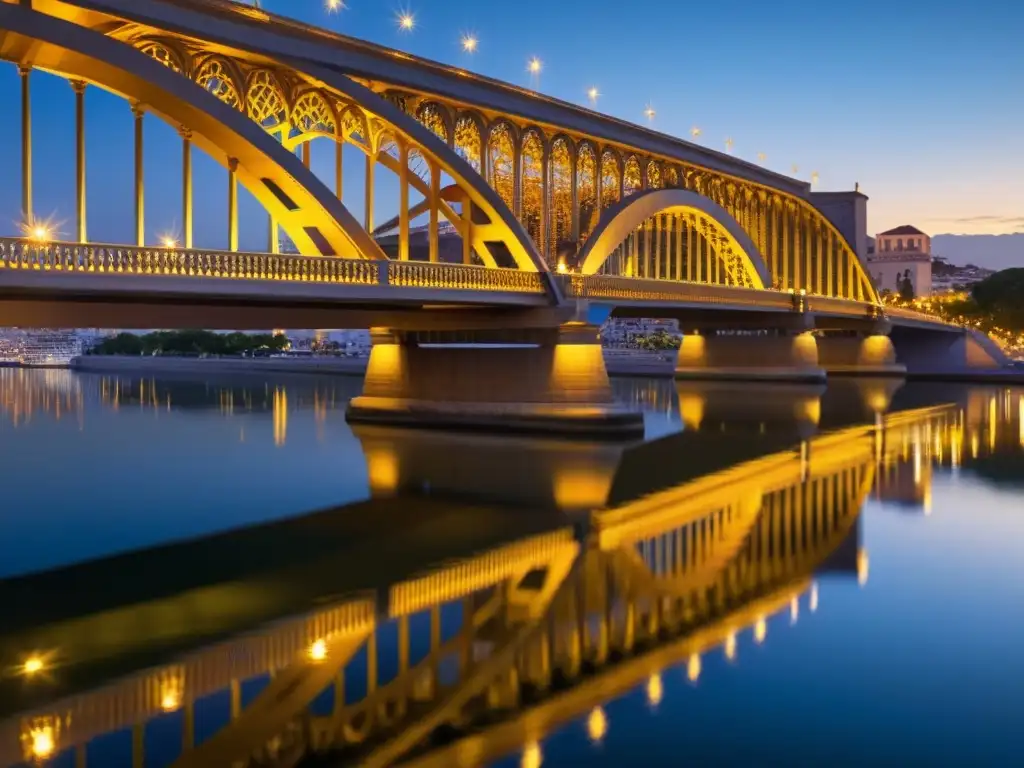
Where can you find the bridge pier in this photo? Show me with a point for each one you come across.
(858, 355)
(775, 356)
(550, 381)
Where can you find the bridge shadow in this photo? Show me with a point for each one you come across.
(448, 607)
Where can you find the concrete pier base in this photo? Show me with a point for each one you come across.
(777, 357)
(872, 355)
(556, 385)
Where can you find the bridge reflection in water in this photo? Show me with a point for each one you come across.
(459, 632)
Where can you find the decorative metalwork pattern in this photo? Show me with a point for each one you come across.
(469, 141)
(560, 192)
(162, 53)
(429, 115)
(265, 100)
(501, 153)
(586, 189)
(215, 76)
(313, 115)
(611, 178)
(353, 125)
(532, 185)
(631, 181)
(420, 274)
(653, 175)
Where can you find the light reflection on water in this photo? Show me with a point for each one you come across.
(894, 639)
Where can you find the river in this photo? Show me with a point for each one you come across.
(774, 576)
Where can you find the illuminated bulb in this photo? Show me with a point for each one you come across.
(469, 43)
(171, 700)
(33, 665)
(532, 756)
(728, 145)
(761, 157)
(794, 610)
(760, 630)
(597, 724)
(655, 690)
(318, 651)
(862, 567)
(406, 21)
(170, 242)
(693, 668)
(592, 94)
(534, 66)
(334, 5)
(649, 112)
(43, 744)
(730, 646)
(695, 132)
(813, 602)
(562, 268)
(814, 177)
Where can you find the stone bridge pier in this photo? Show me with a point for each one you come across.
(549, 380)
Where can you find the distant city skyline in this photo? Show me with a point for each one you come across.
(921, 110)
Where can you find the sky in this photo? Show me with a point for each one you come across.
(921, 103)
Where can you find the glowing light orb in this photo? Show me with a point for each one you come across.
(535, 66)
(318, 651)
(470, 43)
(406, 21)
(33, 665)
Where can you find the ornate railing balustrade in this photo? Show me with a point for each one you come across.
(176, 262)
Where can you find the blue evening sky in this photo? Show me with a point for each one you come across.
(920, 102)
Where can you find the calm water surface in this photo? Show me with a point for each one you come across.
(838, 573)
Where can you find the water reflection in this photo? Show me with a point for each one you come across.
(500, 589)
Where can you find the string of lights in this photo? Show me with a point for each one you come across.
(469, 43)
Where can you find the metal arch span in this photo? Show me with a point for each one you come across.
(315, 220)
(622, 218)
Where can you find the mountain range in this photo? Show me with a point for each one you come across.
(987, 251)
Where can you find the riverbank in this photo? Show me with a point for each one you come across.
(618, 362)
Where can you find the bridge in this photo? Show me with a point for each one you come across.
(441, 656)
(542, 219)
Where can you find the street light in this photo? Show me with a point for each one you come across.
(469, 43)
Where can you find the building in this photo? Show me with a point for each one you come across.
(900, 254)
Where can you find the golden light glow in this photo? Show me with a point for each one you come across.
(33, 665)
(693, 668)
(318, 651)
(597, 724)
(695, 132)
(814, 177)
(729, 144)
(406, 21)
(469, 43)
(862, 567)
(562, 268)
(761, 157)
(730, 646)
(534, 66)
(43, 743)
(649, 112)
(532, 756)
(795, 168)
(170, 696)
(334, 6)
(169, 242)
(813, 602)
(760, 630)
(593, 94)
(794, 610)
(655, 690)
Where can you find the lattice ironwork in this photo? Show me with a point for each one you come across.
(215, 75)
(265, 101)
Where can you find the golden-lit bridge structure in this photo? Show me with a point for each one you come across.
(556, 218)
(454, 643)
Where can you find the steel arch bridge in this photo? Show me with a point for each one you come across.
(524, 181)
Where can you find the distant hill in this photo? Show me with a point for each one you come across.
(987, 251)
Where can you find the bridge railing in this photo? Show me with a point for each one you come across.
(639, 289)
(17, 253)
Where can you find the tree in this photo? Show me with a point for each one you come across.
(1001, 297)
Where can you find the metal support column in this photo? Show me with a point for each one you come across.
(80, 228)
(186, 187)
(26, 144)
(140, 201)
(433, 234)
(403, 201)
(232, 204)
